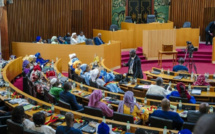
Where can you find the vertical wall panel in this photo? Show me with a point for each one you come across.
(30, 18)
(198, 12)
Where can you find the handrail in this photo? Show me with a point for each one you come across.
(12, 65)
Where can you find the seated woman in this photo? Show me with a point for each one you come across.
(61, 40)
(182, 92)
(74, 39)
(40, 59)
(38, 124)
(108, 82)
(75, 64)
(36, 77)
(56, 89)
(201, 81)
(128, 106)
(78, 69)
(18, 116)
(39, 40)
(71, 57)
(54, 40)
(94, 101)
(26, 67)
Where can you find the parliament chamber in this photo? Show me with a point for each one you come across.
(107, 67)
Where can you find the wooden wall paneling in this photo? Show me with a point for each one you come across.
(198, 12)
(30, 18)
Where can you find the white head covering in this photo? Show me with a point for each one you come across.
(93, 74)
(53, 81)
(32, 56)
(53, 38)
(71, 56)
(73, 34)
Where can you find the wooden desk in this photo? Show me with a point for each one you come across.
(86, 53)
(161, 53)
(18, 62)
(187, 34)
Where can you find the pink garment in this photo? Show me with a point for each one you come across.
(94, 101)
(201, 81)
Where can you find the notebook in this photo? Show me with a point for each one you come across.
(196, 92)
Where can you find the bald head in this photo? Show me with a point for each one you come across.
(165, 104)
(204, 108)
(132, 53)
(69, 118)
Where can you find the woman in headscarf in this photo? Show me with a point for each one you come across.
(201, 81)
(94, 101)
(74, 39)
(128, 106)
(26, 66)
(36, 77)
(32, 59)
(56, 88)
(61, 40)
(71, 57)
(39, 40)
(54, 40)
(40, 59)
(182, 92)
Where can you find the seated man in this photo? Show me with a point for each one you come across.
(55, 90)
(167, 114)
(157, 89)
(98, 39)
(68, 129)
(205, 124)
(193, 115)
(180, 67)
(67, 97)
(81, 37)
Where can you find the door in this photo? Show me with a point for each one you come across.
(139, 9)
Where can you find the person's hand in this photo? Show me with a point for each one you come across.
(124, 64)
(110, 106)
(1, 111)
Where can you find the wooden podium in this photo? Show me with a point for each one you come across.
(153, 40)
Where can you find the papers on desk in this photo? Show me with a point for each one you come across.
(183, 114)
(196, 91)
(178, 77)
(156, 72)
(143, 86)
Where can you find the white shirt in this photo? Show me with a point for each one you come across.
(43, 129)
(157, 90)
(73, 41)
(131, 66)
(81, 39)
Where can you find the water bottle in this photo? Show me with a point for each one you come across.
(128, 127)
(81, 86)
(135, 100)
(211, 109)
(168, 72)
(214, 76)
(170, 83)
(103, 93)
(165, 130)
(52, 63)
(73, 85)
(162, 70)
(113, 29)
(52, 108)
(56, 58)
(8, 92)
(191, 76)
(180, 105)
(189, 87)
(103, 120)
(145, 101)
(208, 89)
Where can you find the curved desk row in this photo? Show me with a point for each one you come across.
(14, 68)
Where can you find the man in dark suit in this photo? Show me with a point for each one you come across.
(193, 115)
(209, 32)
(134, 65)
(98, 40)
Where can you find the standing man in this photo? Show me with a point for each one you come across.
(209, 32)
(134, 65)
